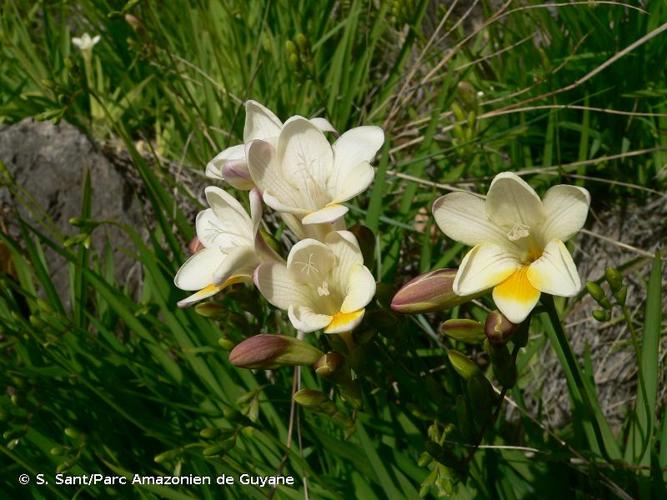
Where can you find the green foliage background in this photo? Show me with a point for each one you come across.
(119, 385)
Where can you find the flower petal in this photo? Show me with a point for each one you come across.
(357, 145)
(304, 319)
(353, 182)
(566, 209)
(255, 209)
(236, 174)
(511, 200)
(260, 122)
(345, 322)
(310, 261)
(360, 289)
(279, 287)
(554, 272)
(516, 297)
(323, 124)
(238, 261)
(330, 213)
(266, 174)
(232, 153)
(197, 271)
(211, 290)
(462, 217)
(345, 247)
(483, 267)
(306, 160)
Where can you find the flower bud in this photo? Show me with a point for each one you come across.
(598, 294)
(195, 245)
(310, 398)
(465, 330)
(272, 351)
(601, 315)
(498, 328)
(621, 294)
(614, 278)
(329, 364)
(463, 365)
(209, 309)
(167, 455)
(429, 292)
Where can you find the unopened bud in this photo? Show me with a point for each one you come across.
(598, 294)
(429, 292)
(601, 315)
(621, 294)
(209, 432)
(498, 328)
(209, 309)
(301, 41)
(463, 365)
(290, 48)
(220, 448)
(272, 351)
(133, 21)
(614, 278)
(465, 330)
(195, 245)
(166, 456)
(310, 398)
(468, 94)
(329, 364)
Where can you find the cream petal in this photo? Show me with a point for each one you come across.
(554, 272)
(345, 322)
(360, 289)
(238, 261)
(462, 217)
(267, 176)
(310, 261)
(353, 182)
(279, 287)
(566, 209)
(236, 174)
(255, 209)
(212, 289)
(483, 267)
(197, 272)
(511, 201)
(323, 124)
(304, 319)
(356, 146)
(330, 213)
(260, 122)
(232, 153)
(306, 159)
(515, 297)
(227, 209)
(345, 248)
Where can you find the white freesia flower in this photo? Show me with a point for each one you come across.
(261, 123)
(517, 241)
(324, 285)
(306, 176)
(86, 42)
(232, 247)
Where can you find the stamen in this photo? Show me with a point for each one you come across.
(323, 290)
(518, 231)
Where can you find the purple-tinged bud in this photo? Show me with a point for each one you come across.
(195, 245)
(465, 330)
(429, 292)
(236, 173)
(269, 351)
(498, 328)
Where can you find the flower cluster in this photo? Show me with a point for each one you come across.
(293, 169)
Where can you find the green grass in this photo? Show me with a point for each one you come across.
(124, 383)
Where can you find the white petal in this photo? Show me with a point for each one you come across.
(357, 145)
(212, 289)
(304, 319)
(279, 287)
(276, 203)
(352, 182)
(515, 297)
(323, 124)
(266, 174)
(226, 223)
(566, 209)
(511, 200)
(330, 213)
(554, 272)
(260, 122)
(306, 159)
(236, 174)
(238, 261)
(232, 153)
(345, 322)
(483, 266)
(462, 217)
(360, 290)
(255, 209)
(197, 272)
(310, 261)
(348, 255)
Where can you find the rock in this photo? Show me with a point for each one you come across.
(48, 163)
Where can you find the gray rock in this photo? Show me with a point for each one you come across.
(48, 163)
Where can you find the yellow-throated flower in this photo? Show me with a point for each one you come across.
(232, 247)
(517, 241)
(261, 123)
(324, 285)
(306, 176)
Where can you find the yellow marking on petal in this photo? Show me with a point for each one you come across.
(212, 289)
(517, 288)
(340, 320)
